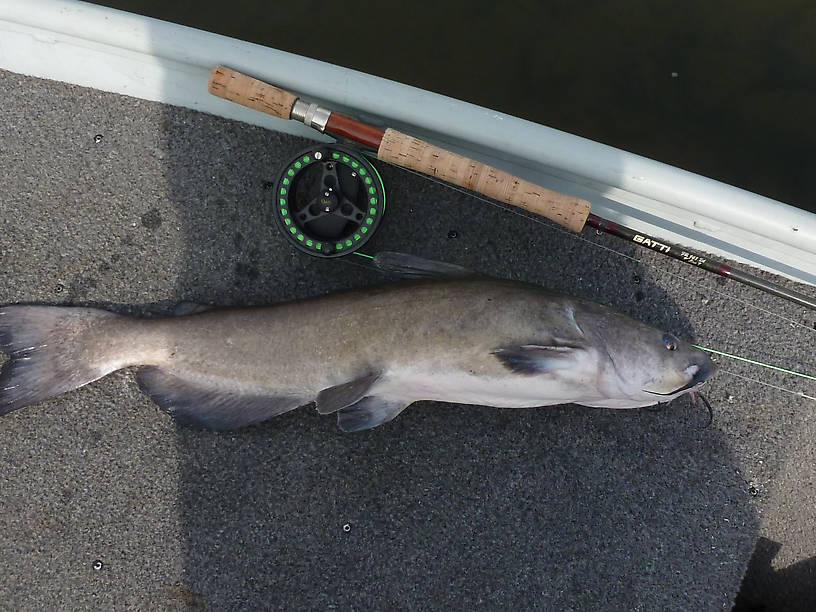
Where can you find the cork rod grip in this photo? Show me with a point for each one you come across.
(242, 89)
(410, 152)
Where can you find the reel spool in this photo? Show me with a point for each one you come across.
(329, 200)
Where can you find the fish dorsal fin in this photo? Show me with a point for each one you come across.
(411, 266)
(335, 398)
(538, 359)
(369, 412)
(195, 403)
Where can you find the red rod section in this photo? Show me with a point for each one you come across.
(365, 134)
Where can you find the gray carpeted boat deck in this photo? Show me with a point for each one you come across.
(106, 504)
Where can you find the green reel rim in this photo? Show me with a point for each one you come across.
(370, 201)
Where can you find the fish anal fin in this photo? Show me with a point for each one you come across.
(335, 398)
(531, 359)
(200, 404)
(369, 412)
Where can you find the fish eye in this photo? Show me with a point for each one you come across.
(670, 342)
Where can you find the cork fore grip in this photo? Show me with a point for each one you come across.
(416, 154)
(247, 91)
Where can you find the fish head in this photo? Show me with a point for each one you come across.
(670, 368)
(641, 365)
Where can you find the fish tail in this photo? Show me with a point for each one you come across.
(48, 349)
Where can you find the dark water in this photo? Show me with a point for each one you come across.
(726, 89)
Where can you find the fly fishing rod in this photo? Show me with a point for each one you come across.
(359, 197)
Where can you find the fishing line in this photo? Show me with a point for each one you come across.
(753, 362)
(350, 262)
(777, 387)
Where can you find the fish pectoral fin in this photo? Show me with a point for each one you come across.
(199, 404)
(335, 398)
(537, 359)
(368, 413)
(411, 266)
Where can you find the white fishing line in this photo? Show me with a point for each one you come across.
(765, 384)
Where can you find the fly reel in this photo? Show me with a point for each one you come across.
(329, 200)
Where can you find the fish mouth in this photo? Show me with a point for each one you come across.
(698, 378)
